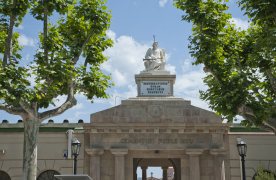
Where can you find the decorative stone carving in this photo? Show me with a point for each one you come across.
(155, 111)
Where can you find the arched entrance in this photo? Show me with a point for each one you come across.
(4, 176)
(48, 175)
(167, 165)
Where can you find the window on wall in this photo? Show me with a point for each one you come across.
(4, 176)
(48, 175)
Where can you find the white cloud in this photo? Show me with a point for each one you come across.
(125, 59)
(78, 106)
(119, 78)
(162, 3)
(188, 83)
(31, 79)
(26, 41)
(59, 100)
(170, 68)
(80, 96)
(111, 35)
(117, 96)
(242, 24)
(80, 114)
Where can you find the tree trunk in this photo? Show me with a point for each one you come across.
(8, 44)
(45, 31)
(31, 129)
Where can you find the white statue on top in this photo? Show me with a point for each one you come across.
(154, 58)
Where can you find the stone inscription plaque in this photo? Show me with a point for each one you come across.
(156, 141)
(155, 88)
(165, 140)
(152, 141)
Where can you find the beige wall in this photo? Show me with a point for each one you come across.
(261, 151)
(50, 153)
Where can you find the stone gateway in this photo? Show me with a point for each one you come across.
(156, 129)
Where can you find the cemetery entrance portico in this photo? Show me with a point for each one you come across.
(156, 129)
(163, 130)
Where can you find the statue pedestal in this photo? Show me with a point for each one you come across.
(155, 83)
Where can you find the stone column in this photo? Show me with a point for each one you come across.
(95, 162)
(165, 173)
(119, 163)
(144, 172)
(194, 163)
(218, 156)
(184, 163)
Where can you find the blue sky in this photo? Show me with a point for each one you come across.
(134, 22)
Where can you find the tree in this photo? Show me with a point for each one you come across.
(240, 64)
(67, 62)
(263, 174)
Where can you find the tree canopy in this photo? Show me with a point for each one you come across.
(67, 61)
(263, 174)
(240, 64)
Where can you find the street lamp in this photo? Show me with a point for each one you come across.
(242, 147)
(75, 152)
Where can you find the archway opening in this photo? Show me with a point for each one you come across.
(48, 175)
(4, 175)
(154, 169)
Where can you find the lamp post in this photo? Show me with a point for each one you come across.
(75, 152)
(242, 147)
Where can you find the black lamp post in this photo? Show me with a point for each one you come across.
(75, 152)
(242, 147)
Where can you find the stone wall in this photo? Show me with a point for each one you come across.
(261, 152)
(52, 143)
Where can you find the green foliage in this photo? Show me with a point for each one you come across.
(13, 84)
(3, 34)
(74, 46)
(240, 64)
(16, 7)
(262, 174)
(60, 6)
(66, 62)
